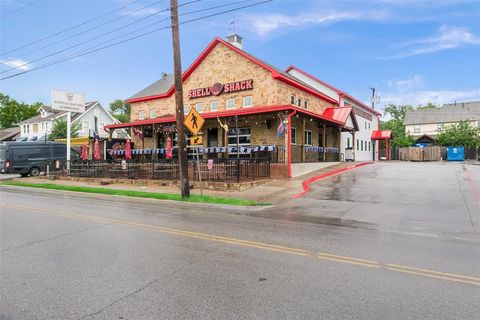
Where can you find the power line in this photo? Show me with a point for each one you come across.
(226, 11)
(19, 9)
(95, 38)
(70, 28)
(87, 30)
(212, 8)
(85, 41)
(128, 39)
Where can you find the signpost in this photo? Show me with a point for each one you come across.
(70, 102)
(194, 122)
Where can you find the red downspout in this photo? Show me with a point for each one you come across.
(289, 142)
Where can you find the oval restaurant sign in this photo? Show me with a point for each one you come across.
(218, 88)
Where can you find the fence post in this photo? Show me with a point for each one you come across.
(238, 170)
(153, 166)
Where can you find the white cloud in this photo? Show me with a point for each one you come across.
(413, 83)
(267, 23)
(412, 91)
(450, 37)
(16, 63)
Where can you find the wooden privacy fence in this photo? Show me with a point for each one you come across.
(433, 153)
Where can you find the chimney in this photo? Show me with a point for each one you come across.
(236, 40)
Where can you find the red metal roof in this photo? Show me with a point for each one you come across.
(275, 74)
(382, 135)
(338, 91)
(333, 117)
(339, 115)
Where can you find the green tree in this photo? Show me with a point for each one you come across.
(13, 112)
(59, 130)
(463, 133)
(396, 123)
(120, 110)
(427, 106)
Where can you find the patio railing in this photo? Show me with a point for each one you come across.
(221, 170)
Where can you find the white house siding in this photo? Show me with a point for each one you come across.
(41, 127)
(430, 129)
(87, 121)
(363, 136)
(314, 84)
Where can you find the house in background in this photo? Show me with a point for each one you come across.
(9, 134)
(425, 125)
(94, 118)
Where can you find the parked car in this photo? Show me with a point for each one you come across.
(30, 158)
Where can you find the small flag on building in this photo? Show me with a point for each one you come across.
(280, 128)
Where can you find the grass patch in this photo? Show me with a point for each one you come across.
(138, 194)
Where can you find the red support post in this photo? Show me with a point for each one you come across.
(387, 151)
(289, 143)
(378, 150)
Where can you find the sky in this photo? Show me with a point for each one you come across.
(411, 52)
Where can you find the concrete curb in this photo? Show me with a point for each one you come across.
(306, 183)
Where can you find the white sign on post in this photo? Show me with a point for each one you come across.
(70, 102)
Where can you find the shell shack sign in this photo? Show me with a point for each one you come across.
(219, 88)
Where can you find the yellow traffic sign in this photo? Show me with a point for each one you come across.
(194, 121)
(196, 140)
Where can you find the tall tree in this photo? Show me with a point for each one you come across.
(59, 130)
(13, 112)
(120, 110)
(396, 123)
(428, 106)
(463, 133)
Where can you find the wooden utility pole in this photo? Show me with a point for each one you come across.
(177, 67)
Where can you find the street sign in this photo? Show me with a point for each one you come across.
(68, 101)
(194, 121)
(196, 140)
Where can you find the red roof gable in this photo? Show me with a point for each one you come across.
(338, 91)
(275, 74)
(382, 135)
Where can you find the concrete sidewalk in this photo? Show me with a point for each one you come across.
(275, 191)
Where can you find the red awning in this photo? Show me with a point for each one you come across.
(382, 135)
(339, 115)
(336, 119)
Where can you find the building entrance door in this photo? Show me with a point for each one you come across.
(212, 137)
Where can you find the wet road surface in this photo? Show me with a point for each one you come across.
(70, 256)
(437, 199)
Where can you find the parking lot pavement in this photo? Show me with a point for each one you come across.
(430, 198)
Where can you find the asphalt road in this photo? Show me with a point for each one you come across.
(70, 256)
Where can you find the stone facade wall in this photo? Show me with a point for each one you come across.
(315, 104)
(225, 66)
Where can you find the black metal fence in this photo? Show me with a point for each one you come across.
(220, 170)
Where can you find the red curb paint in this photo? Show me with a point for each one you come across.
(306, 183)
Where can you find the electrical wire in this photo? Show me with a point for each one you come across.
(128, 39)
(226, 11)
(69, 28)
(83, 42)
(94, 38)
(87, 30)
(19, 9)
